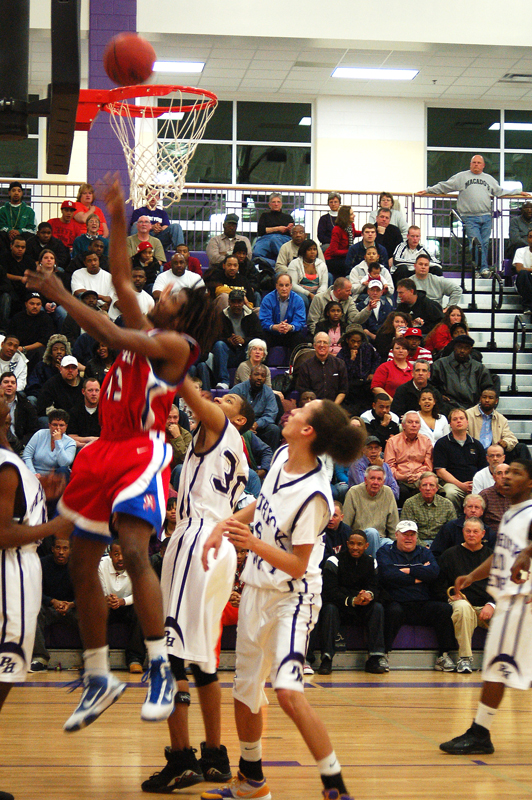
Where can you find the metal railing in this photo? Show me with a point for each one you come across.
(496, 280)
(519, 322)
(455, 215)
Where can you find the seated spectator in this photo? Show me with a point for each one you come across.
(371, 457)
(65, 228)
(57, 348)
(62, 390)
(388, 235)
(44, 239)
(274, 228)
(247, 269)
(361, 360)
(93, 277)
(264, 404)
(489, 426)
(13, 265)
(50, 449)
(350, 589)
(84, 425)
(327, 222)
(193, 263)
(395, 325)
(258, 454)
(357, 251)
(223, 245)
(308, 272)
(409, 455)
(484, 478)
(336, 533)
(496, 501)
(440, 336)
(256, 353)
(143, 236)
(58, 602)
(97, 247)
(239, 326)
(139, 280)
(523, 266)
(333, 324)
(371, 507)
(71, 329)
(414, 338)
(360, 274)
(428, 510)
(85, 207)
(24, 422)
(406, 397)
(170, 234)
(101, 362)
(436, 287)
(406, 253)
(458, 377)
(379, 306)
(387, 200)
(290, 250)
(323, 374)
(520, 225)
(457, 457)
(179, 439)
(425, 313)
(379, 420)
(177, 276)
(82, 242)
(341, 292)
(282, 315)
(473, 606)
(459, 329)
(16, 218)
(390, 375)
(118, 592)
(342, 237)
(12, 360)
(145, 259)
(407, 571)
(225, 277)
(433, 424)
(452, 532)
(32, 328)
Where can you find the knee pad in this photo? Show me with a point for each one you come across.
(183, 698)
(178, 668)
(203, 678)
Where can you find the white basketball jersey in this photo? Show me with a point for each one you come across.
(511, 539)
(35, 505)
(291, 510)
(211, 482)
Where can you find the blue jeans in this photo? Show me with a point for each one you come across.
(479, 227)
(375, 541)
(223, 358)
(268, 246)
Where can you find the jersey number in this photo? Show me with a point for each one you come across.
(116, 380)
(224, 485)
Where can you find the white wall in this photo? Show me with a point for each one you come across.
(369, 144)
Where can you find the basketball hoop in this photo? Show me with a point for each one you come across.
(158, 141)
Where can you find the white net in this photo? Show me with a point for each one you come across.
(158, 147)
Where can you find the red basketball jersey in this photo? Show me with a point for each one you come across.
(133, 400)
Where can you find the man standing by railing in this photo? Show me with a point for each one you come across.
(475, 190)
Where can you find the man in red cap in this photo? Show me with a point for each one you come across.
(65, 227)
(413, 338)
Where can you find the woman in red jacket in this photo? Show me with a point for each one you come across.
(440, 336)
(343, 235)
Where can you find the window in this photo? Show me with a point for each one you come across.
(19, 159)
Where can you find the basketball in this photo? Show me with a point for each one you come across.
(128, 59)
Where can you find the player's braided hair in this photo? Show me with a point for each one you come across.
(199, 318)
(335, 434)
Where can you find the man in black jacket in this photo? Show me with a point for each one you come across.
(411, 300)
(452, 533)
(63, 390)
(349, 589)
(24, 422)
(239, 326)
(406, 397)
(380, 421)
(42, 240)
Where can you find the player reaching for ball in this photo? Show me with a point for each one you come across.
(508, 650)
(282, 591)
(122, 478)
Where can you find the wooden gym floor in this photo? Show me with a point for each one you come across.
(385, 730)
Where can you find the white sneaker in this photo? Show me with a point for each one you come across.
(445, 664)
(222, 386)
(100, 692)
(465, 665)
(307, 669)
(159, 702)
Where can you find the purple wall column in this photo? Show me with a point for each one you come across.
(107, 18)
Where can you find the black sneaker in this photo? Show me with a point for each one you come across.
(182, 770)
(325, 666)
(472, 742)
(214, 763)
(6, 796)
(374, 665)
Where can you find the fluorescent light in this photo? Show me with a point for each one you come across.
(179, 66)
(361, 74)
(305, 121)
(512, 126)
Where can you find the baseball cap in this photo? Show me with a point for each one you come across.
(374, 283)
(413, 332)
(68, 204)
(29, 296)
(144, 246)
(68, 361)
(88, 292)
(14, 185)
(406, 525)
(463, 339)
(232, 218)
(372, 440)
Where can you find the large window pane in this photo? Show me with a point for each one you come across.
(273, 166)
(462, 127)
(442, 164)
(19, 159)
(518, 167)
(518, 139)
(273, 122)
(220, 126)
(211, 163)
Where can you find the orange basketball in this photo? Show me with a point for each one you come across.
(128, 59)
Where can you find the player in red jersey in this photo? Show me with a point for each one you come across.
(123, 475)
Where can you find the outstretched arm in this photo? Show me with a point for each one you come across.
(208, 413)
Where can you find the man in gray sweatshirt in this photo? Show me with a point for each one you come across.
(475, 190)
(436, 286)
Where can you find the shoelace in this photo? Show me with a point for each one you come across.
(75, 684)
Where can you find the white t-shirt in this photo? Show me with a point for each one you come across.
(144, 300)
(187, 279)
(523, 256)
(100, 283)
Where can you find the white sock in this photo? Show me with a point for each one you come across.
(329, 765)
(485, 715)
(96, 661)
(156, 648)
(251, 751)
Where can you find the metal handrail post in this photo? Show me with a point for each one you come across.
(495, 306)
(518, 322)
